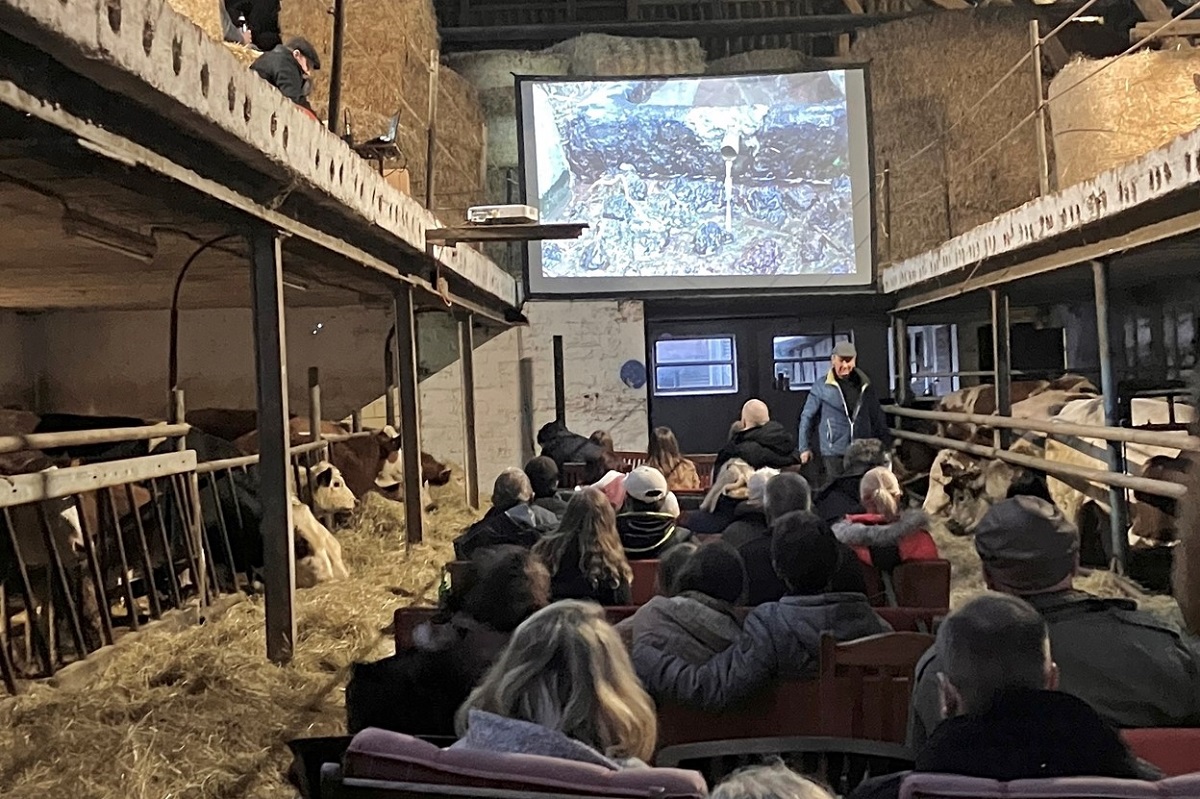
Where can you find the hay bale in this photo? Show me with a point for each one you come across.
(776, 60)
(385, 66)
(925, 74)
(205, 13)
(247, 55)
(202, 713)
(1104, 119)
(491, 73)
(601, 55)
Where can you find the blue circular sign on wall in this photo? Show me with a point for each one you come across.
(633, 374)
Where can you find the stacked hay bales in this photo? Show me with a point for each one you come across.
(619, 56)
(205, 13)
(1109, 112)
(387, 57)
(926, 73)
(777, 60)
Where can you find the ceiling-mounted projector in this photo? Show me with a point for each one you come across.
(502, 215)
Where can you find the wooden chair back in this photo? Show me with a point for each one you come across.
(866, 685)
(645, 579)
(922, 584)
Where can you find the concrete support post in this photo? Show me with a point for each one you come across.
(270, 362)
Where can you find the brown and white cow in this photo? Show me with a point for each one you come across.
(318, 552)
(1185, 579)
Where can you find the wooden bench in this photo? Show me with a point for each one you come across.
(1175, 751)
(915, 584)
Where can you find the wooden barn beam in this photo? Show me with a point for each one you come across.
(1002, 361)
(270, 363)
(1054, 55)
(853, 6)
(466, 350)
(1156, 13)
(680, 29)
(952, 5)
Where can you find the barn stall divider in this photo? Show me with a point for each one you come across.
(1118, 482)
(91, 552)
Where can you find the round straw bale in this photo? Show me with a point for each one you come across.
(762, 61)
(1109, 112)
(494, 69)
(601, 55)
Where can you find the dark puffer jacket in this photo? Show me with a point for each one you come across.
(778, 639)
(769, 445)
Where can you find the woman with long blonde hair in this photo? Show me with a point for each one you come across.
(664, 455)
(563, 687)
(886, 531)
(729, 490)
(585, 557)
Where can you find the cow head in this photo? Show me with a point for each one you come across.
(330, 492)
(433, 471)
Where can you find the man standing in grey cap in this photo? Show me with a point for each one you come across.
(841, 409)
(1135, 669)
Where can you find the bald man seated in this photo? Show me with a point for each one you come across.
(759, 440)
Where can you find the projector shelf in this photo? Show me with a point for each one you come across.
(469, 234)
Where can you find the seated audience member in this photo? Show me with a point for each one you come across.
(510, 520)
(563, 447)
(1030, 484)
(778, 638)
(750, 532)
(698, 620)
(768, 782)
(1134, 668)
(882, 536)
(1005, 717)
(608, 460)
(729, 489)
(585, 556)
(417, 691)
(839, 498)
(664, 455)
(648, 523)
(543, 477)
(669, 566)
(761, 441)
(612, 486)
(563, 687)
(289, 67)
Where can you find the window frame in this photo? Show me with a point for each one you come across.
(834, 337)
(732, 363)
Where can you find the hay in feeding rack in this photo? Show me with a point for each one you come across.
(205, 13)
(202, 713)
(601, 55)
(926, 73)
(1103, 119)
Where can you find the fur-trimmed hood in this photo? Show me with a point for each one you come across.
(862, 531)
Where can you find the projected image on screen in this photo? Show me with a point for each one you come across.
(737, 177)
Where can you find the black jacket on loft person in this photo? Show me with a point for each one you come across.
(769, 445)
(279, 68)
(563, 447)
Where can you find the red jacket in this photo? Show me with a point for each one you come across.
(908, 534)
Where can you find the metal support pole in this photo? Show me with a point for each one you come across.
(1035, 44)
(389, 379)
(560, 391)
(178, 415)
(314, 404)
(1002, 362)
(356, 421)
(466, 351)
(431, 134)
(410, 412)
(900, 350)
(1118, 512)
(525, 388)
(270, 363)
(335, 67)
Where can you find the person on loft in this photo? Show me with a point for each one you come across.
(841, 409)
(289, 67)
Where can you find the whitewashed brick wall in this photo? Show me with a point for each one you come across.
(598, 337)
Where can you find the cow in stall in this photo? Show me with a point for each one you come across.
(1185, 575)
(367, 463)
(330, 494)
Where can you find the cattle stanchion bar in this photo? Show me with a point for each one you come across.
(270, 361)
(410, 415)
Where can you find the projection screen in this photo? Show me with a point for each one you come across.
(697, 184)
